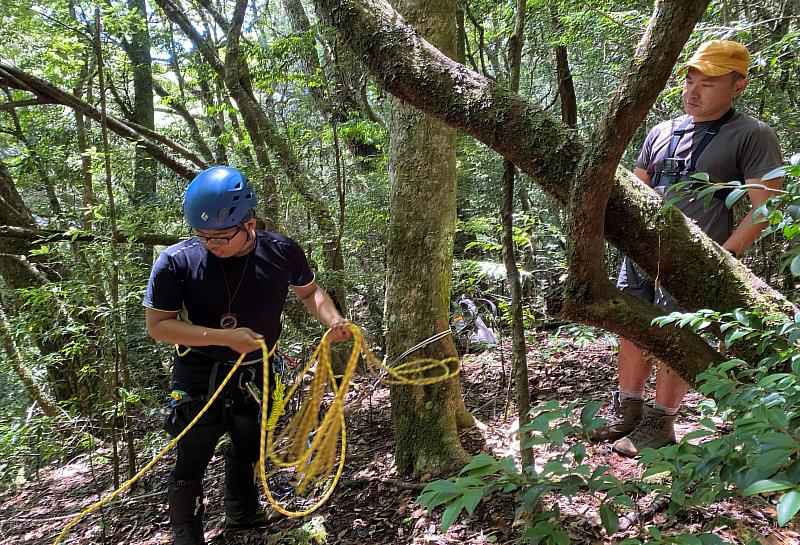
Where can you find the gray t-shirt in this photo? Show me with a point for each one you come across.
(744, 149)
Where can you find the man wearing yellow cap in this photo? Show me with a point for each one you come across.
(727, 145)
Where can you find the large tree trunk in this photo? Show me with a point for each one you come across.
(422, 202)
(694, 269)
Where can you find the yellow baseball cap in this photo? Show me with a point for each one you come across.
(719, 57)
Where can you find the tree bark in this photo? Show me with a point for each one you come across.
(693, 268)
(422, 203)
(566, 89)
(588, 294)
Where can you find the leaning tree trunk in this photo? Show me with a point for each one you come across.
(422, 202)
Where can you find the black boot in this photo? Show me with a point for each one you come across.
(241, 495)
(186, 511)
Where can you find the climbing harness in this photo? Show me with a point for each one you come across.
(308, 441)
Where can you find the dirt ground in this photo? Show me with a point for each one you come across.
(372, 503)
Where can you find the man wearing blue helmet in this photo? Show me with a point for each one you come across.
(216, 295)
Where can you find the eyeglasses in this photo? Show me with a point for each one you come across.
(217, 241)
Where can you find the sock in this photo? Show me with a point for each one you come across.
(625, 395)
(668, 411)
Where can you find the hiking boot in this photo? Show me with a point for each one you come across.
(186, 511)
(654, 430)
(256, 519)
(627, 413)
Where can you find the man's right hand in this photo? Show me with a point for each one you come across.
(242, 339)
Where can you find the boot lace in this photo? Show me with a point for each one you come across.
(645, 430)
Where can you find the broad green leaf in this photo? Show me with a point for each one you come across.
(448, 487)
(609, 519)
(734, 196)
(560, 537)
(472, 497)
(451, 514)
(788, 506)
(711, 539)
(478, 462)
(767, 485)
(589, 411)
(697, 434)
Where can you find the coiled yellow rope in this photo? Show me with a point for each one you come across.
(315, 460)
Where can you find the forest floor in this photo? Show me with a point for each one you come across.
(375, 505)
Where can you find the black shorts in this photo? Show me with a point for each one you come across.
(634, 281)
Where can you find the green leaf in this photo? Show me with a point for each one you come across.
(794, 266)
(770, 460)
(609, 519)
(560, 538)
(687, 539)
(711, 539)
(734, 196)
(472, 497)
(767, 485)
(737, 334)
(451, 514)
(588, 412)
(678, 496)
(779, 172)
(481, 460)
(780, 439)
(697, 434)
(41, 250)
(448, 487)
(788, 506)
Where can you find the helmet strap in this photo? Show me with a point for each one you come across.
(244, 250)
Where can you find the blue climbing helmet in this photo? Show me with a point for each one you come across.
(218, 198)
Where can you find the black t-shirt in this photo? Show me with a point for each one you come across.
(188, 279)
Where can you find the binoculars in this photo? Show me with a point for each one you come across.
(673, 170)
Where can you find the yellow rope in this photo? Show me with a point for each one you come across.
(317, 459)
